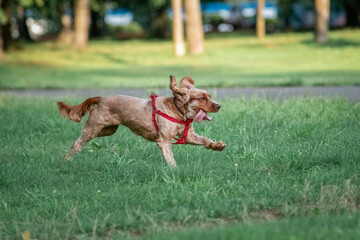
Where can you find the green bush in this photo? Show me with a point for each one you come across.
(132, 28)
(213, 19)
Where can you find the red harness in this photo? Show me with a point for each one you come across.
(187, 122)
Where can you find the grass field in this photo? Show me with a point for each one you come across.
(229, 60)
(290, 171)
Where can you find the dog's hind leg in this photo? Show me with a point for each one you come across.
(89, 132)
(87, 135)
(95, 126)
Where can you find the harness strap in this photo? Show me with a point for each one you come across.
(153, 96)
(172, 119)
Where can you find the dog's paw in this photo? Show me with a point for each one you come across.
(218, 146)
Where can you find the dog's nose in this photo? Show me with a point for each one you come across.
(218, 106)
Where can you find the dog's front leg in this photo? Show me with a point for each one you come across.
(195, 139)
(165, 147)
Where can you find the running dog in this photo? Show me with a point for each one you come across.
(159, 119)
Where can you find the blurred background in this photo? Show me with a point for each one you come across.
(151, 27)
(35, 20)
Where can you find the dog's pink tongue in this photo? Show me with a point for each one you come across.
(201, 115)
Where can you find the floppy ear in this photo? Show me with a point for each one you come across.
(187, 82)
(179, 93)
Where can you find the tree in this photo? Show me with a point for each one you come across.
(322, 8)
(150, 13)
(4, 26)
(194, 30)
(159, 20)
(352, 8)
(260, 21)
(178, 28)
(82, 16)
(66, 34)
(1, 44)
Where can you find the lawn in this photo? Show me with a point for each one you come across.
(290, 171)
(230, 60)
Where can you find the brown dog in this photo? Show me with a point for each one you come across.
(160, 119)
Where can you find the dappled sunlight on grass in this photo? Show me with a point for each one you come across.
(229, 60)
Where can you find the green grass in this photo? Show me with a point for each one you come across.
(319, 227)
(290, 170)
(229, 60)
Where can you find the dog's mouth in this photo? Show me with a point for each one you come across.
(201, 115)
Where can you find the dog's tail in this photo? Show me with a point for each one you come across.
(75, 113)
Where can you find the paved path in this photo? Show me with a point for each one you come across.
(349, 92)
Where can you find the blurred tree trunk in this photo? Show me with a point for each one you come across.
(1, 44)
(6, 34)
(66, 35)
(95, 31)
(23, 30)
(178, 28)
(194, 29)
(260, 21)
(352, 9)
(159, 28)
(322, 8)
(2, 23)
(82, 15)
(285, 11)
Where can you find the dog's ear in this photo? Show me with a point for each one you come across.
(187, 82)
(181, 93)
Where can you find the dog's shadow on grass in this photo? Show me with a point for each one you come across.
(333, 43)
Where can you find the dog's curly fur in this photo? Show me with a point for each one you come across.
(136, 114)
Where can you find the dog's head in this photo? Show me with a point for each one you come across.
(195, 102)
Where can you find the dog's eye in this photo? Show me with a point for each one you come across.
(202, 98)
